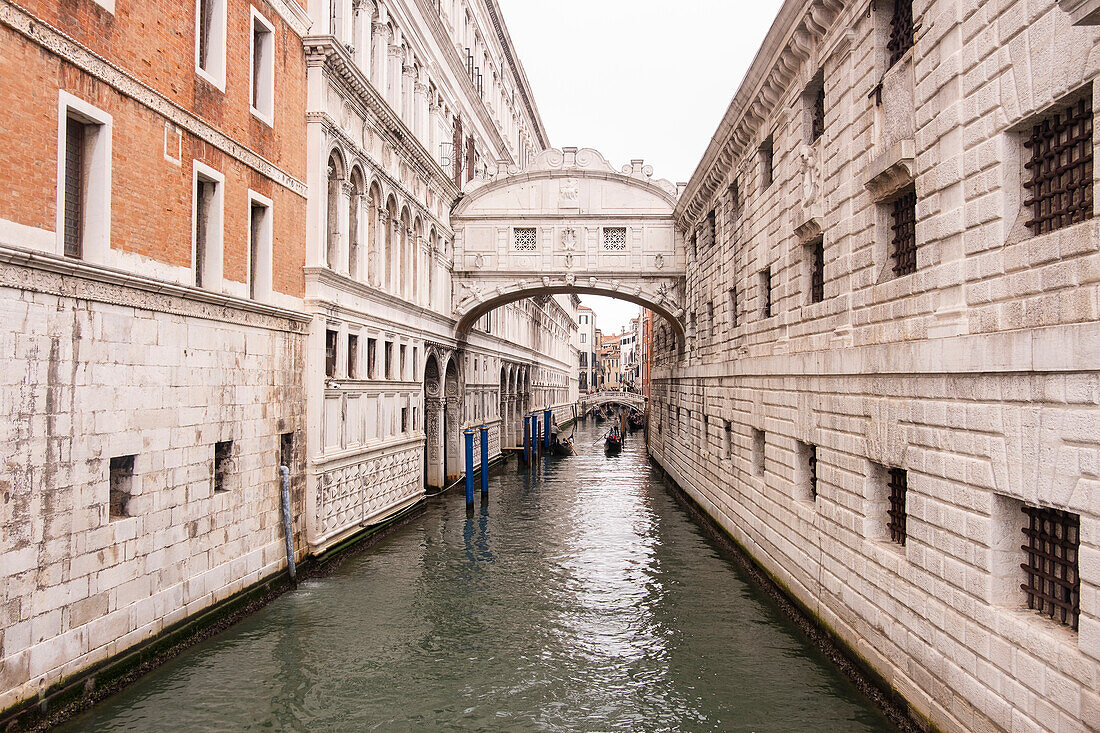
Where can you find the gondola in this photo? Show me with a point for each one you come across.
(636, 421)
(562, 447)
(613, 442)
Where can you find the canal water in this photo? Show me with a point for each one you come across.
(581, 599)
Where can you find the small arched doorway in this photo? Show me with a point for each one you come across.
(434, 471)
(452, 422)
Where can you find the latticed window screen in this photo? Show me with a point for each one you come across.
(1059, 184)
(614, 238)
(898, 485)
(817, 270)
(1053, 585)
(523, 239)
(817, 120)
(901, 30)
(74, 187)
(903, 225)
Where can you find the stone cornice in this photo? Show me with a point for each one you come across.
(83, 58)
(517, 69)
(293, 15)
(796, 36)
(328, 52)
(458, 67)
(66, 277)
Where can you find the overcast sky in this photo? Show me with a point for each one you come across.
(636, 79)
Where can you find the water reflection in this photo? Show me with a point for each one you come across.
(575, 595)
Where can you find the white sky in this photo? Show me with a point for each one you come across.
(636, 79)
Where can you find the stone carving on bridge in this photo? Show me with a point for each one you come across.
(569, 239)
(569, 191)
(350, 495)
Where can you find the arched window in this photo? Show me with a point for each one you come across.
(335, 178)
(354, 234)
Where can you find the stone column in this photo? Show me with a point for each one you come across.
(420, 112)
(363, 12)
(393, 80)
(378, 248)
(380, 43)
(343, 238)
(393, 270)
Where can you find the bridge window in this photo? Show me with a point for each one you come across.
(614, 239)
(524, 239)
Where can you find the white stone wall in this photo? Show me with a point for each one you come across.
(978, 374)
(97, 370)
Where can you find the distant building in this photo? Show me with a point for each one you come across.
(587, 349)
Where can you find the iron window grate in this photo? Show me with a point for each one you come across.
(904, 227)
(1060, 183)
(1053, 586)
(766, 288)
(812, 461)
(898, 486)
(817, 121)
(901, 30)
(817, 271)
(74, 188)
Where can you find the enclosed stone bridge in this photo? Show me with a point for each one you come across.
(630, 399)
(568, 223)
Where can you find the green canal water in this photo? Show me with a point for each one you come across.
(583, 598)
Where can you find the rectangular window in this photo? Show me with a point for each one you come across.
(734, 203)
(902, 30)
(74, 187)
(806, 470)
(524, 239)
(903, 229)
(388, 365)
(263, 68)
(1051, 568)
(121, 482)
(759, 441)
(727, 439)
(815, 253)
(1059, 183)
(767, 162)
(815, 102)
(259, 246)
(896, 516)
(372, 347)
(766, 292)
(286, 450)
(330, 353)
(403, 351)
(207, 228)
(353, 356)
(404, 419)
(210, 21)
(83, 179)
(732, 305)
(584, 337)
(223, 464)
(614, 239)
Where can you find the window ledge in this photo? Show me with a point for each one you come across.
(1082, 12)
(891, 171)
(263, 117)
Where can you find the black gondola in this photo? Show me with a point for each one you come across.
(613, 442)
(636, 421)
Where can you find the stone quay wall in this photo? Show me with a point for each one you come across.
(98, 372)
(969, 376)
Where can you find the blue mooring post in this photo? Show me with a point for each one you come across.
(546, 438)
(469, 433)
(526, 438)
(485, 459)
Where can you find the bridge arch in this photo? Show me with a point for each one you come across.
(568, 223)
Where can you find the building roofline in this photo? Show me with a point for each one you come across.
(521, 75)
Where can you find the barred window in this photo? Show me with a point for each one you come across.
(815, 97)
(811, 461)
(1053, 586)
(898, 486)
(901, 30)
(767, 162)
(1059, 186)
(817, 270)
(733, 306)
(74, 187)
(614, 239)
(524, 239)
(903, 226)
(766, 292)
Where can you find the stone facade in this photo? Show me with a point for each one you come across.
(824, 373)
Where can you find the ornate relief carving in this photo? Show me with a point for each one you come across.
(349, 495)
(569, 239)
(569, 191)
